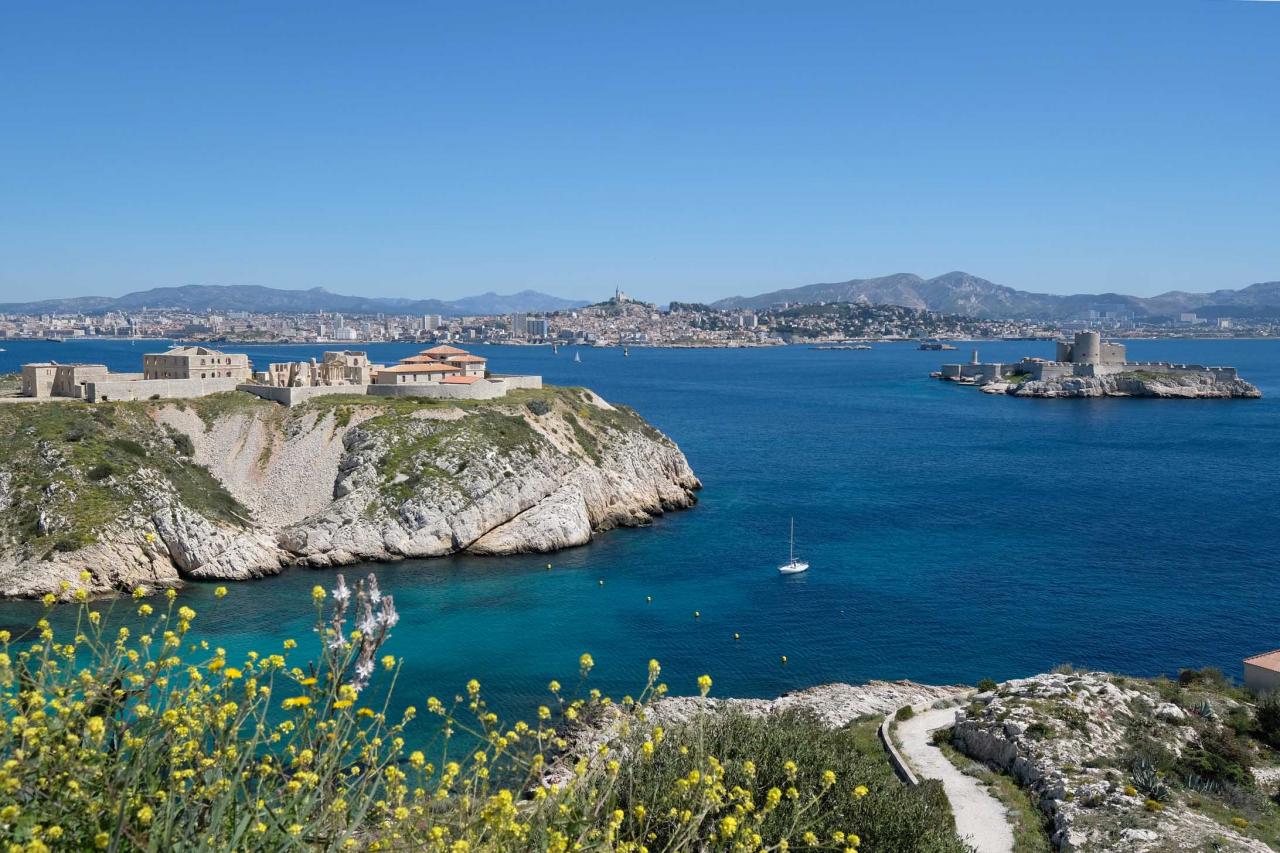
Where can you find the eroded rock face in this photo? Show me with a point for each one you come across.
(328, 487)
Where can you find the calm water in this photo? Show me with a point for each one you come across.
(953, 535)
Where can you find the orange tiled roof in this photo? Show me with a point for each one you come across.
(459, 380)
(465, 359)
(1266, 660)
(434, 367)
(443, 349)
(420, 359)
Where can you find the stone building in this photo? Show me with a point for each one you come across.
(344, 367)
(1262, 672)
(196, 362)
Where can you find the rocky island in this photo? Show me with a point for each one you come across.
(1088, 367)
(233, 487)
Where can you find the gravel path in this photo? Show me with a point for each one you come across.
(980, 818)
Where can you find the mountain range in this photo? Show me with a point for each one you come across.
(962, 293)
(266, 300)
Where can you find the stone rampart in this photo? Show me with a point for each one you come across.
(155, 389)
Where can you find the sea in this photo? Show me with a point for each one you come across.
(953, 535)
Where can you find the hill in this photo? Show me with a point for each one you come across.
(962, 293)
(268, 300)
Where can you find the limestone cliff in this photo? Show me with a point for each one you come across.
(232, 487)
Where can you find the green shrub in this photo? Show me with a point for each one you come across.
(129, 446)
(906, 712)
(100, 472)
(538, 407)
(1210, 676)
(182, 443)
(1266, 720)
(1220, 756)
(987, 685)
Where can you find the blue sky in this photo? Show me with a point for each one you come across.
(678, 150)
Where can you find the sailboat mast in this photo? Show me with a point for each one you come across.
(793, 538)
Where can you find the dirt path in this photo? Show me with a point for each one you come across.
(981, 819)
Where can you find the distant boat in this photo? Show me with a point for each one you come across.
(555, 350)
(577, 356)
(626, 351)
(53, 339)
(793, 566)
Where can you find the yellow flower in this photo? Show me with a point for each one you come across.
(220, 592)
(728, 826)
(144, 815)
(655, 669)
(295, 702)
(388, 661)
(186, 613)
(704, 684)
(417, 759)
(585, 663)
(828, 778)
(861, 791)
(49, 599)
(317, 594)
(102, 840)
(232, 673)
(290, 644)
(145, 610)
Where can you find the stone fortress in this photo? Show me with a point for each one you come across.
(1087, 356)
(441, 372)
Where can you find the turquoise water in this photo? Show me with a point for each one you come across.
(953, 535)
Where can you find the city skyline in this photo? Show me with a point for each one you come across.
(687, 154)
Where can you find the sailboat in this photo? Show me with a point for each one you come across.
(626, 351)
(577, 357)
(555, 350)
(793, 566)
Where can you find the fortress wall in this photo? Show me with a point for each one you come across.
(296, 396)
(163, 389)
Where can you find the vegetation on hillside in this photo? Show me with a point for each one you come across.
(69, 471)
(157, 741)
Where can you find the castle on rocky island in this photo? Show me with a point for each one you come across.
(184, 372)
(1090, 367)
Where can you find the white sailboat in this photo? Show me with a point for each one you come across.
(793, 566)
(577, 357)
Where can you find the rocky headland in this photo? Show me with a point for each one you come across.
(231, 487)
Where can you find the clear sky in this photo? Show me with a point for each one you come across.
(678, 150)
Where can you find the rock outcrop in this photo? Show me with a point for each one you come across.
(232, 487)
(1171, 386)
(1081, 744)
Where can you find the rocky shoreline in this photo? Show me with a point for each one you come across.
(1190, 386)
(326, 484)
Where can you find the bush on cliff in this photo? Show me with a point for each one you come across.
(151, 739)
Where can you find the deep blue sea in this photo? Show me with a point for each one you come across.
(953, 535)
